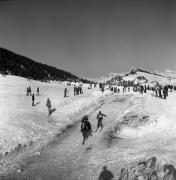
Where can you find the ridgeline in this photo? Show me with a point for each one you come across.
(18, 65)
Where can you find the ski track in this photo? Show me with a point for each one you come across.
(67, 158)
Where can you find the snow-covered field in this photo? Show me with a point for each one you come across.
(138, 126)
(20, 122)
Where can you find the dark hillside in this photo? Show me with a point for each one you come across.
(14, 64)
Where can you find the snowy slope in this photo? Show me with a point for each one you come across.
(103, 79)
(170, 73)
(20, 122)
(150, 78)
(138, 126)
(149, 130)
(162, 117)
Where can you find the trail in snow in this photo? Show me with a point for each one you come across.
(138, 126)
(21, 123)
(67, 158)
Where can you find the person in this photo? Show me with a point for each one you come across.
(29, 90)
(65, 92)
(160, 95)
(103, 88)
(38, 91)
(100, 120)
(86, 128)
(106, 174)
(48, 105)
(156, 92)
(33, 99)
(74, 89)
(128, 89)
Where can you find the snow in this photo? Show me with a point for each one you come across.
(154, 135)
(162, 117)
(20, 122)
(151, 78)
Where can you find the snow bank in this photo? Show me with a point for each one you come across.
(162, 116)
(21, 123)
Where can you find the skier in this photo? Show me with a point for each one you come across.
(100, 120)
(33, 99)
(38, 91)
(48, 105)
(85, 128)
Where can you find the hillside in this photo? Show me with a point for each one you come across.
(145, 77)
(15, 64)
(103, 79)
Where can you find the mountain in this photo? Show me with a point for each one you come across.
(146, 77)
(170, 73)
(103, 79)
(15, 64)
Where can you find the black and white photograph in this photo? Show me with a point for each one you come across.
(87, 89)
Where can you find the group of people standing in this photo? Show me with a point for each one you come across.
(29, 93)
(161, 92)
(78, 90)
(48, 102)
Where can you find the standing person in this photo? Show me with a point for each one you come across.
(86, 128)
(48, 105)
(164, 93)
(160, 95)
(106, 174)
(33, 99)
(74, 89)
(38, 91)
(100, 120)
(128, 89)
(102, 88)
(156, 92)
(29, 90)
(65, 92)
(145, 89)
(81, 90)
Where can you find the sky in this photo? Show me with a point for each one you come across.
(91, 38)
